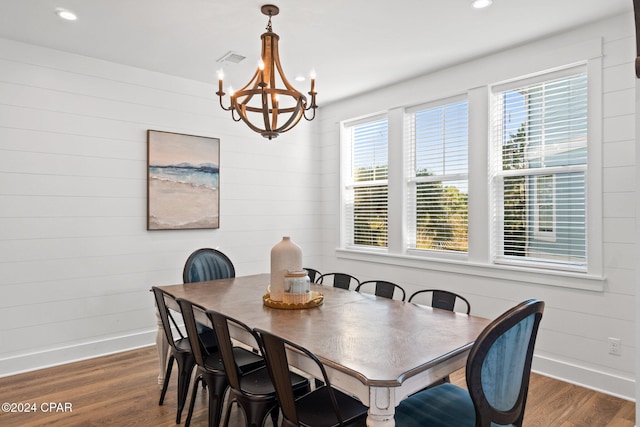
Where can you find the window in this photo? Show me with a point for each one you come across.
(539, 171)
(438, 174)
(366, 187)
(499, 180)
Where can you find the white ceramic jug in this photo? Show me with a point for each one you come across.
(285, 256)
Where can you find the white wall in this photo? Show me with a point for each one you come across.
(637, 252)
(76, 261)
(572, 343)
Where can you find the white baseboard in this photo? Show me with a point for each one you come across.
(63, 355)
(622, 387)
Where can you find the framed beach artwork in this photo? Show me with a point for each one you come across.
(182, 181)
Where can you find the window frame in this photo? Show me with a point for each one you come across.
(349, 184)
(524, 62)
(412, 181)
(497, 174)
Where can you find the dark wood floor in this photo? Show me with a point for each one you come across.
(121, 390)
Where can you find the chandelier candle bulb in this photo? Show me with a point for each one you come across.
(312, 76)
(261, 72)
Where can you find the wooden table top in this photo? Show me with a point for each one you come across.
(381, 342)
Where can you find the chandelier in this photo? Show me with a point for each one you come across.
(266, 108)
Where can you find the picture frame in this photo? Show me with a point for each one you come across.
(183, 174)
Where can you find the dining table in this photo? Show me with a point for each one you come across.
(376, 349)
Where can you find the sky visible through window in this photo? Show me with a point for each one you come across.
(515, 115)
(370, 145)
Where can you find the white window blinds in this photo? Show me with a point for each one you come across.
(539, 171)
(438, 174)
(367, 187)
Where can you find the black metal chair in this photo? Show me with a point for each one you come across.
(444, 300)
(313, 274)
(382, 288)
(210, 367)
(180, 349)
(253, 391)
(323, 407)
(338, 280)
(207, 264)
(498, 372)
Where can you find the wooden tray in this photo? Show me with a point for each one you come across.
(316, 300)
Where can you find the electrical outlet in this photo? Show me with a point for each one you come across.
(615, 346)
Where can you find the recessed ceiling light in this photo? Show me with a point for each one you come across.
(66, 14)
(480, 4)
(300, 78)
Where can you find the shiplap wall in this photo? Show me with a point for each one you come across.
(573, 340)
(76, 261)
(637, 253)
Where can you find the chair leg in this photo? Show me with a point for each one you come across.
(165, 384)
(275, 412)
(192, 402)
(185, 367)
(216, 384)
(258, 413)
(228, 413)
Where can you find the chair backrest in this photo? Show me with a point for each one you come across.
(499, 365)
(165, 316)
(313, 274)
(275, 354)
(382, 288)
(339, 280)
(221, 325)
(444, 300)
(207, 264)
(188, 315)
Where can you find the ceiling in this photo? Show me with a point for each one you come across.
(353, 45)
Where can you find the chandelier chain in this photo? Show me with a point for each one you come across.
(269, 24)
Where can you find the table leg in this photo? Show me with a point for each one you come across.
(382, 407)
(163, 349)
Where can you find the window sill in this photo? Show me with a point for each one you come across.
(563, 279)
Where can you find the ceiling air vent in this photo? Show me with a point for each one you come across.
(232, 57)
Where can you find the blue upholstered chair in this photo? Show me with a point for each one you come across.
(498, 371)
(207, 264)
(382, 288)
